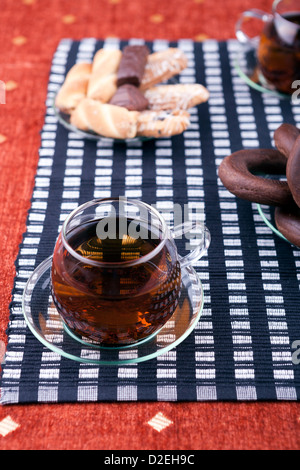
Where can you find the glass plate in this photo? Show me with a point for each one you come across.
(246, 65)
(45, 323)
(64, 119)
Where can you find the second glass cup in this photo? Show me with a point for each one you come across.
(278, 46)
(116, 272)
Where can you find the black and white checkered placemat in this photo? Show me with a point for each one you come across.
(242, 348)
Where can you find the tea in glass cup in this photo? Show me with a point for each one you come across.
(278, 47)
(116, 273)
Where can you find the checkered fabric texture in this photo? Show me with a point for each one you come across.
(241, 349)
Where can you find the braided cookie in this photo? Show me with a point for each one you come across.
(236, 173)
(162, 124)
(165, 97)
(74, 87)
(105, 119)
(103, 81)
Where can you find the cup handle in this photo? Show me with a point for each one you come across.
(241, 35)
(200, 249)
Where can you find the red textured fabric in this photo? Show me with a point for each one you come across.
(29, 34)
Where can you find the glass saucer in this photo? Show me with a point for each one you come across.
(45, 323)
(246, 65)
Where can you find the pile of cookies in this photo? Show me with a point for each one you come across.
(119, 95)
(242, 174)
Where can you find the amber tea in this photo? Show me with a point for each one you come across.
(112, 290)
(279, 51)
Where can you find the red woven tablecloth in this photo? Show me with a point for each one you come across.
(29, 34)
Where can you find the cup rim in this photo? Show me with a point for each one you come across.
(275, 5)
(141, 260)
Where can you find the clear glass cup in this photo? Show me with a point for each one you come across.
(278, 45)
(116, 271)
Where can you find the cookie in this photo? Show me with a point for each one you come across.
(74, 88)
(293, 171)
(130, 97)
(285, 137)
(163, 65)
(287, 219)
(105, 119)
(132, 65)
(103, 81)
(166, 97)
(162, 124)
(237, 174)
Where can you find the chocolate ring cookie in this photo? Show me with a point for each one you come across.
(285, 137)
(293, 171)
(287, 219)
(236, 173)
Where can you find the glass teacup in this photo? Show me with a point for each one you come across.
(116, 272)
(278, 46)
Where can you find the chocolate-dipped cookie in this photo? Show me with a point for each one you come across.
(287, 219)
(293, 171)
(130, 97)
(237, 174)
(132, 65)
(285, 137)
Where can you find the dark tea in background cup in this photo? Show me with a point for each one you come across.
(116, 273)
(278, 46)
